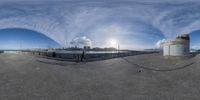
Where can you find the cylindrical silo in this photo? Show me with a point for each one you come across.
(177, 47)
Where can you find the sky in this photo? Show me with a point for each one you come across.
(132, 24)
(195, 42)
(17, 39)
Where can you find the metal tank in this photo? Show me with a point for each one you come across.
(177, 47)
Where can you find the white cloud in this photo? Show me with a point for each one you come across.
(81, 41)
(159, 44)
(178, 19)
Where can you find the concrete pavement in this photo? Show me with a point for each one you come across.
(24, 77)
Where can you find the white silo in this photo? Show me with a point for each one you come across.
(177, 47)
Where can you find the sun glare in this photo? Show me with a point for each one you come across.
(113, 43)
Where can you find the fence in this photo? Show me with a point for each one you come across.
(87, 57)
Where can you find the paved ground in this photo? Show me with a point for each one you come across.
(24, 77)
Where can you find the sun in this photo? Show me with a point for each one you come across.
(113, 42)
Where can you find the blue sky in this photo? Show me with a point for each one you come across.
(134, 24)
(24, 39)
(195, 39)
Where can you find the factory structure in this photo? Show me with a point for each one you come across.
(180, 46)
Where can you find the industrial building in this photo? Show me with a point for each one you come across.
(180, 46)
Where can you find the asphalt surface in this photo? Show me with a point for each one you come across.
(141, 77)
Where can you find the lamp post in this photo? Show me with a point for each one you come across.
(118, 49)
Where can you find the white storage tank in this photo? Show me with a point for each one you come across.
(177, 47)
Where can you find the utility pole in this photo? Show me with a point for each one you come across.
(118, 49)
(20, 45)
